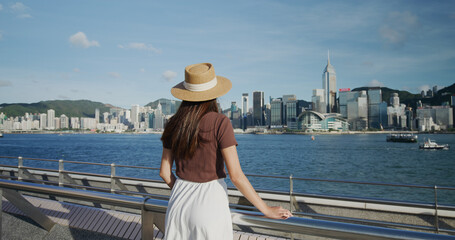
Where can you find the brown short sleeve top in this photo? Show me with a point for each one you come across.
(207, 164)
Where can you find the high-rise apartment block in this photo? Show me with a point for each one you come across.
(258, 108)
(318, 101)
(244, 103)
(50, 119)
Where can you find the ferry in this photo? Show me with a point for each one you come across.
(402, 137)
(1, 135)
(429, 144)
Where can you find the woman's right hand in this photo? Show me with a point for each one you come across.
(277, 213)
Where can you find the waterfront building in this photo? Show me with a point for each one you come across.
(105, 117)
(318, 101)
(434, 118)
(43, 121)
(383, 119)
(329, 85)
(64, 121)
(75, 124)
(258, 108)
(50, 119)
(159, 119)
(357, 110)
(312, 121)
(88, 123)
(374, 100)
(244, 104)
(409, 118)
(97, 115)
(396, 113)
(135, 114)
(291, 111)
(276, 113)
(57, 123)
(235, 114)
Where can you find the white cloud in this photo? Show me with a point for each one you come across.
(424, 88)
(142, 70)
(80, 40)
(5, 83)
(1, 7)
(114, 74)
(19, 7)
(76, 70)
(375, 83)
(1, 36)
(140, 46)
(169, 75)
(25, 15)
(398, 28)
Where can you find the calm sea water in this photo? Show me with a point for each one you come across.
(363, 157)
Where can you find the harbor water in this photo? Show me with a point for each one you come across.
(358, 157)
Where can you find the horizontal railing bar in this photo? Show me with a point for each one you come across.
(367, 221)
(240, 217)
(87, 174)
(40, 159)
(40, 169)
(266, 176)
(87, 163)
(141, 167)
(139, 179)
(333, 197)
(10, 166)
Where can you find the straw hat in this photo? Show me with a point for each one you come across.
(201, 84)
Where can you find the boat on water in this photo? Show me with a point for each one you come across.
(429, 144)
(1, 135)
(402, 137)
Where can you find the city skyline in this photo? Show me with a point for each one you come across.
(124, 54)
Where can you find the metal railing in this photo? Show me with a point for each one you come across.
(65, 180)
(297, 225)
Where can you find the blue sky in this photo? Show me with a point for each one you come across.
(133, 52)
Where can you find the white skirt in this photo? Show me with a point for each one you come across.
(198, 211)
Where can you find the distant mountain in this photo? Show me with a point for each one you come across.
(154, 104)
(71, 108)
(410, 99)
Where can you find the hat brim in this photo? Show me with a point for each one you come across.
(222, 87)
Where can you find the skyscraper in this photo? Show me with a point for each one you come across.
(329, 84)
(244, 103)
(97, 115)
(135, 114)
(258, 107)
(50, 119)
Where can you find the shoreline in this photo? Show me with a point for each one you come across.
(236, 131)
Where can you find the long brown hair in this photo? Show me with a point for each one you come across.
(181, 133)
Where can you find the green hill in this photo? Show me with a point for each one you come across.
(76, 108)
(410, 99)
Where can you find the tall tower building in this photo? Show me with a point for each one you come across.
(329, 84)
(135, 114)
(258, 107)
(50, 119)
(97, 115)
(244, 103)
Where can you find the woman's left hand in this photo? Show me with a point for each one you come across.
(278, 213)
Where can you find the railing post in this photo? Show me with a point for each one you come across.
(20, 171)
(61, 177)
(112, 177)
(291, 191)
(1, 210)
(291, 201)
(147, 222)
(436, 216)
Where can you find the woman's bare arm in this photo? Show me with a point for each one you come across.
(166, 168)
(242, 183)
